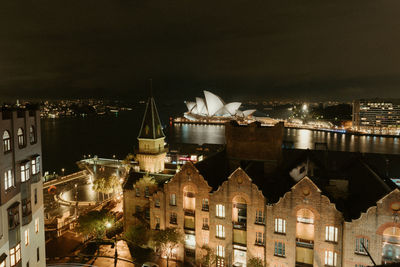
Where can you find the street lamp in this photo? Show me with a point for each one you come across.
(108, 226)
(62, 170)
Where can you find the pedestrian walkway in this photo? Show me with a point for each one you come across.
(124, 255)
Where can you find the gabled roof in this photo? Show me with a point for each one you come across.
(151, 126)
(365, 187)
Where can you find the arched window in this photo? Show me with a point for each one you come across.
(32, 134)
(6, 141)
(21, 139)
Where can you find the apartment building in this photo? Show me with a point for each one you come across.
(22, 240)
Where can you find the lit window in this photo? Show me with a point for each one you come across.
(330, 258)
(220, 212)
(15, 255)
(172, 200)
(220, 231)
(6, 142)
(35, 165)
(25, 172)
(221, 251)
(8, 179)
(359, 245)
(37, 225)
(21, 138)
(32, 134)
(26, 234)
(3, 263)
(279, 249)
(331, 233)
(280, 225)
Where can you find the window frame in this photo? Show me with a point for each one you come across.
(280, 249)
(220, 231)
(330, 258)
(220, 211)
(280, 225)
(32, 135)
(331, 233)
(9, 181)
(172, 199)
(21, 137)
(6, 142)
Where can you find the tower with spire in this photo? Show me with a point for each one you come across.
(151, 154)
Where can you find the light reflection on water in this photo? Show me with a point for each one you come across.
(301, 138)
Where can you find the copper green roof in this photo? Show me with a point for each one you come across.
(151, 126)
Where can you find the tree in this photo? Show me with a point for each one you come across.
(107, 185)
(255, 262)
(209, 257)
(137, 235)
(94, 223)
(167, 240)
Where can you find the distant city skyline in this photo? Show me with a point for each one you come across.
(286, 49)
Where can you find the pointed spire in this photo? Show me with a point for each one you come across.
(151, 125)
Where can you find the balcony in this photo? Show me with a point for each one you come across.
(304, 243)
(239, 225)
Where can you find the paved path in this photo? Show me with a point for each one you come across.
(123, 253)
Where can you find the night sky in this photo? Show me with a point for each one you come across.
(238, 49)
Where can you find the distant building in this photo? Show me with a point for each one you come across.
(22, 241)
(287, 207)
(376, 116)
(213, 107)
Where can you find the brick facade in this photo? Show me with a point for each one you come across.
(307, 214)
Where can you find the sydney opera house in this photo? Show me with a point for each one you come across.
(213, 107)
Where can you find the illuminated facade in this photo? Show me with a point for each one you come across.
(22, 240)
(151, 154)
(212, 106)
(305, 208)
(377, 116)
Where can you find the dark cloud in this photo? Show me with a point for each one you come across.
(304, 48)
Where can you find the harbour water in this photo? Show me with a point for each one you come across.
(67, 140)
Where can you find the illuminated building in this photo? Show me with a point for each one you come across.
(213, 107)
(151, 153)
(286, 207)
(22, 240)
(376, 116)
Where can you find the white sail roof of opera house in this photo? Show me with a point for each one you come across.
(213, 105)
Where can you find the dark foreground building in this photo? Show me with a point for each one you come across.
(287, 207)
(21, 191)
